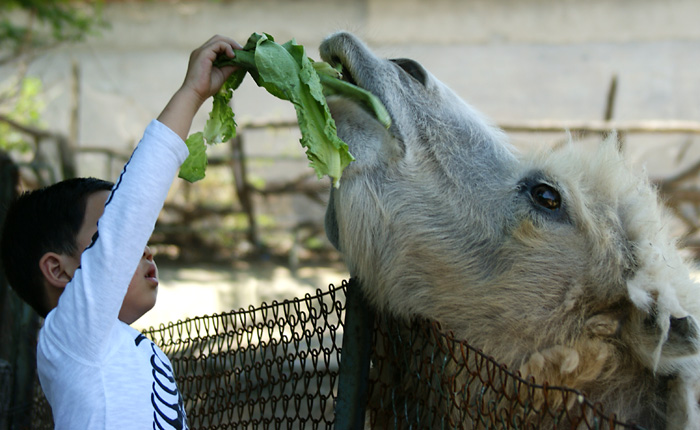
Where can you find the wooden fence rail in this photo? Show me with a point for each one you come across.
(678, 191)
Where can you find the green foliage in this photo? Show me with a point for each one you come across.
(26, 110)
(31, 24)
(196, 163)
(27, 26)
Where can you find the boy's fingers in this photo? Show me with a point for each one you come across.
(225, 47)
(233, 43)
(222, 43)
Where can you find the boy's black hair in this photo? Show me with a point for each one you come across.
(41, 221)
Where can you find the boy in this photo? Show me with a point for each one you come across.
(91, 279)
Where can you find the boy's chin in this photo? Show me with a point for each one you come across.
(132, 314)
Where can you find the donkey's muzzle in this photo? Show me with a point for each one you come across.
(684, 336)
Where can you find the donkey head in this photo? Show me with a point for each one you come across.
(563, 250)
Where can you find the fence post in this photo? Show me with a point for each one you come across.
(354, 361)
(240, 179)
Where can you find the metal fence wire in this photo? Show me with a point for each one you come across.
(270, 367)
(277, 366)
(424, 378)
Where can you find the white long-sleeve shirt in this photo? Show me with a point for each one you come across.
(96, 371)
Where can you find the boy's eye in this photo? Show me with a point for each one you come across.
(546, 196)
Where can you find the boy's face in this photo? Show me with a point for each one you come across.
(143, 288)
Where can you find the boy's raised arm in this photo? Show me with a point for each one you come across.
(130, 213)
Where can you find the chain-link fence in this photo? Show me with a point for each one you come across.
(423, 378)
(274, 366)
(277, 366)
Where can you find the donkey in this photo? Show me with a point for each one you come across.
(559, 263)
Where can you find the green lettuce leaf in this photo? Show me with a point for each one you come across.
(333, 85)
(220, 126)
(193, 168)
(288, 74)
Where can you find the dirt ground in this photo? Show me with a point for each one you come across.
(189, 290)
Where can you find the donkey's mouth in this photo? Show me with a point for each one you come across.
(374, 106)
(347, 76)
(363, 71)
(358, 66)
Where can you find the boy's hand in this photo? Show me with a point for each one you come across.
(202, 77)
(202, 81)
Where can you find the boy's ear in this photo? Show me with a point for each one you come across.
(56, 268)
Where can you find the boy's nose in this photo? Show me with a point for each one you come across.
(147, 254)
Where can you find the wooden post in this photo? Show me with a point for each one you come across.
(66, 146)
(610, 109)
(610, 99)
(243, 189)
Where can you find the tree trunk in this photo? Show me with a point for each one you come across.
(18, 331)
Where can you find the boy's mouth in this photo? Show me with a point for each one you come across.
(152, 273)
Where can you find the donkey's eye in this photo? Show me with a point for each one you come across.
(546, 196)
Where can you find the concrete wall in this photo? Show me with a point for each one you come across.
(512, 59)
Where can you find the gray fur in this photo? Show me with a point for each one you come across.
(437, 218)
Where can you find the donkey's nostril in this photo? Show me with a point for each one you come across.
(684, 327)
